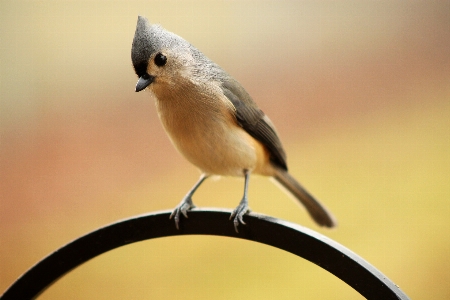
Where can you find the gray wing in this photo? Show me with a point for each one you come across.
(254, 121)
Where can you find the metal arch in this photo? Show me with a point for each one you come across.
(301, 241)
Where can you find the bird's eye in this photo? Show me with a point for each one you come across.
(160, 59)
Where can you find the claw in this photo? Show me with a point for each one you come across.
(239, 212)
(238, 215)
(185, 205)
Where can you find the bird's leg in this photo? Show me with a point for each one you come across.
(239, 212)
(186, 204)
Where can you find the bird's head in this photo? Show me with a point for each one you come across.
(159, 56)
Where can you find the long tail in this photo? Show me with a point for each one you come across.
(317, 211)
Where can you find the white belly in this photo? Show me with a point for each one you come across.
(216, 149)
(209, 138)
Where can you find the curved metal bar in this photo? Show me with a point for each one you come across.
(322, 251)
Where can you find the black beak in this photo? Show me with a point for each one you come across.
(143, 82)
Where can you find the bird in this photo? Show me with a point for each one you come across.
(212, 120)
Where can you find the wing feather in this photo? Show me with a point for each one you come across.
(254, 121)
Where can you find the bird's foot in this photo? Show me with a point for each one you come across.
(182, 208)
(238, 214)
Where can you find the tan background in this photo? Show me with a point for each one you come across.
(359, 92)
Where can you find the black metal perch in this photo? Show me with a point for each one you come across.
(322, 251)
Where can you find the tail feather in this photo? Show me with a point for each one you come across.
(317, 211)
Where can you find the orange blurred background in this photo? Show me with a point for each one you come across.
(359, 92)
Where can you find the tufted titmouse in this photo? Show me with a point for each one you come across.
(211, 119)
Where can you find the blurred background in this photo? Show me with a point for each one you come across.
(359, 92)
